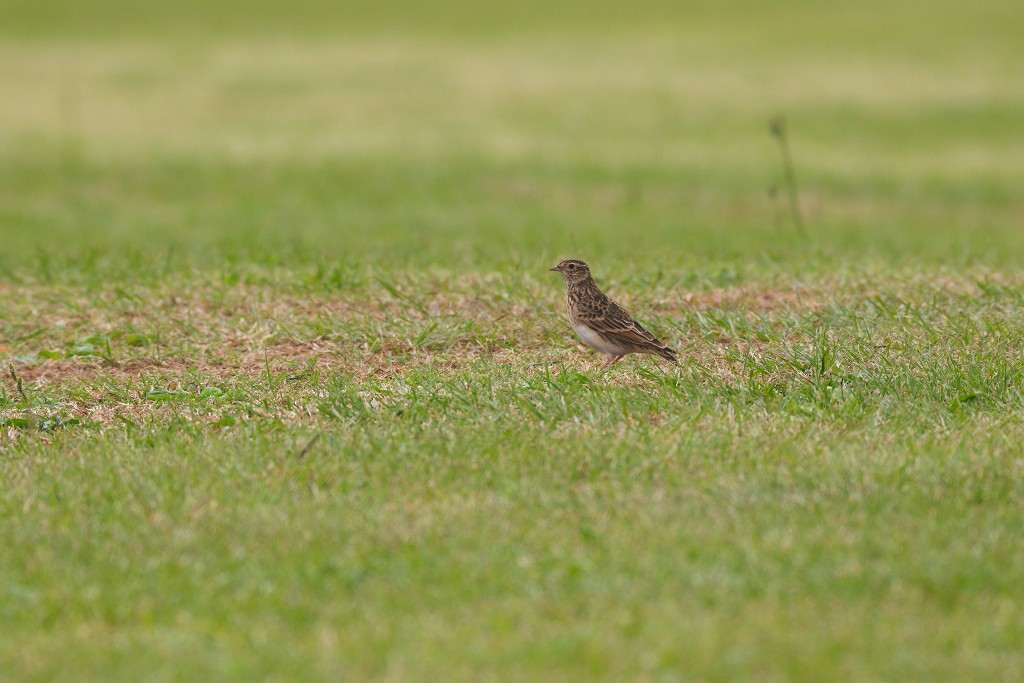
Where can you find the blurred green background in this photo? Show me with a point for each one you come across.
(467, 135)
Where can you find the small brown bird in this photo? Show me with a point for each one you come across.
(600, 322)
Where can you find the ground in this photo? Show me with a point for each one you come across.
(288, 392)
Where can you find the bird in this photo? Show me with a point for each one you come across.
(601, 323)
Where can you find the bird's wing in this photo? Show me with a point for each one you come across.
(616, 323)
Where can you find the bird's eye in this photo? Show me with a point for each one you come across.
(571, 266)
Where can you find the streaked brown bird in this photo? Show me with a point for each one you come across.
(601, 323)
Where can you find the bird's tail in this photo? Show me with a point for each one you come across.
(667, 353)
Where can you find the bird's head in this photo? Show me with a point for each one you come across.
(573, 270)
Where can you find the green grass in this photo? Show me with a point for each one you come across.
(288, 393)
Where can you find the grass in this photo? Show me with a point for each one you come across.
(288, 393)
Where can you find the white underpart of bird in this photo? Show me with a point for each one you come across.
(594, 340)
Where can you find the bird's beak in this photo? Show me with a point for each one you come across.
(556, 269)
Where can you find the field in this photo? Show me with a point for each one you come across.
(289, 394)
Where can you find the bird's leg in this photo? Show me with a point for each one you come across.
(612, 360)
